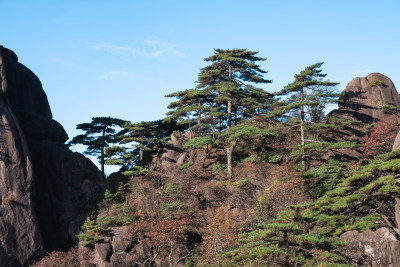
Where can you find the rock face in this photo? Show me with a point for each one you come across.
(362, 98)
(396, 144)
(373, 248)
(361, 101)
(173, 155)
(45, 188)
(20, 238)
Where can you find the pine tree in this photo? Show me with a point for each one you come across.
(99, 134)
(227, 79)
(119, 155)
(191, 108)
(142, 133)
(308, 92)
(243, 132)
(308, 234)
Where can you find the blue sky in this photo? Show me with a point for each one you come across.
(120, 58)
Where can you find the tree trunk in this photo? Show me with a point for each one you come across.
(229, 152)
(102, 151)
(199, 114)
(303, 159)
(285, 244)
(229, 101)
(229, 113)
(212, 128)
(229, 172)
(141, 154)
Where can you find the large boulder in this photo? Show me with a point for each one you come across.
(172, 156)
(47, 187)
(372, 248)
(20, 238)
(361, 101)
(363, 97)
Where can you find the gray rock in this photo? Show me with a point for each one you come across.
(37, 170)
(123, 259)
(362, 101)
(396, 144)
(20, 238)
(121, 238)
(372, 248)
(174, 155)
(103, 251)
(69, 184)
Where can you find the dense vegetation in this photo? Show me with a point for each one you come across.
(267, 181)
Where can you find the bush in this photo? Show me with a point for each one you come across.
(244, 184)
(375, 82)
(172, 210)
(185, 166)
(219, 168)
(135, 171)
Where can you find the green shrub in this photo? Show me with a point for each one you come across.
(123, 214)
(275, 159)
(135, 171)
(375, 82)
(170, 210)
(325, 177)
(89, 236)
(244, 184)
(108, 196)
(185, 166)
(219, 168)
(172, 190)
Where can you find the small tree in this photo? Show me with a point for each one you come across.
(227, 79)
(118, 155)
(191, 107)
(99, 134)
(142, 133)
(242, 133)
(308, 92)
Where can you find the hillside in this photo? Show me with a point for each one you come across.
(233, 176)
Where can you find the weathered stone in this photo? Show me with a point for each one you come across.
(20, 239)
(123, 259)
(373, 248)
(37, 170)
(121, 238)
(396, 144)
(85, 255)
(69, 184)
(174, 155)
(103, 251)
(362, 99)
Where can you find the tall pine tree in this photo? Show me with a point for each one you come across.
(229, 79)
(303, 96)
(99, 134)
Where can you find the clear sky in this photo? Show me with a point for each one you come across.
(120, 58)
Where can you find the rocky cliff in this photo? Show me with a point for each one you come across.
(45, 188)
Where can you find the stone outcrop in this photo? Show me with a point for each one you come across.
(172, 155)
(363, 97)
(20, 238)
(372, 248)
(361, 101)
(396, 143)
(45, 187)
